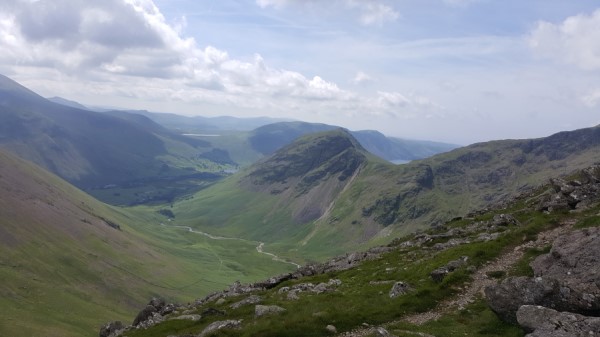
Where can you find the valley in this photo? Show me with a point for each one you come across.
(102, 210)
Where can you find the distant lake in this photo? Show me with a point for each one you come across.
(401, 161)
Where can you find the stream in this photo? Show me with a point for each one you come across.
(259, 248)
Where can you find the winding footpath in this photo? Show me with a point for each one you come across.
(471, 291)
(259, 248)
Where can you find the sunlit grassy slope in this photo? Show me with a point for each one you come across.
(378, 201)
(65, 270)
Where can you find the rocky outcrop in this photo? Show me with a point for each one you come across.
(566, 279)
(111, 329)
(293, 291)
(576, 194)
(544, 322)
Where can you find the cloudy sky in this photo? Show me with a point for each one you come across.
(459, 71)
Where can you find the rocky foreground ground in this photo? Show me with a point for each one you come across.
(560, 298)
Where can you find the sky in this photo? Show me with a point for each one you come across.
(458, 71)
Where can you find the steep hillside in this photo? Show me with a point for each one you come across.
(69, 262)
(274, 199)
(94, 150)
(527, 256)
(381, 201)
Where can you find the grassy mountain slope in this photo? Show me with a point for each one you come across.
(93, 150)
(407, 197)
(353, 295)
(274, 199)
(68, 262)
(381, 200)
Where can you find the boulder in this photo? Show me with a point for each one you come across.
(252, 299)
(193, 317)
(331, 329)
(262, 310)
(438, 274)
(545, 322)
(218, 325)
(574, 260)
(111, 329)
(399, 288)
(144, 314)
(566, 279)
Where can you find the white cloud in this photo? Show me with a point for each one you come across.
(371, 12)
(592, 99)
(575, 41)
(362, 78)
(377, 14)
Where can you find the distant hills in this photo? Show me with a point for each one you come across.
(269, 138)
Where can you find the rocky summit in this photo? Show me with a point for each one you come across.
(529, 266)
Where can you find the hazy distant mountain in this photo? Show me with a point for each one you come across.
(200, 123)
(92, 149)
(267, 139)
(67, 102)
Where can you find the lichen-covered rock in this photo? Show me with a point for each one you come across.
(191, 317)
(566, 279)
(252, 299)
(399, 288)
(262, 310)
(545, 322)
(574, 260)
(218, 325)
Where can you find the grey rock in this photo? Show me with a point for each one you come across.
(382, 332)
(293, 295)
(144, 314)
(262, 310)
(399, 288)
(567, 279)
(330, 328)
(545, 322)
(111, 329)
(252, 299)
(218, 325)
(504, 220)
(193, 317)
(438, 274)
(574, 261)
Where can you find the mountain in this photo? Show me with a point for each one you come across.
(64, 101)
(280, 202)
(96, 150)
(69, 262)
(529, 265)
(269, 138)
(198, 124)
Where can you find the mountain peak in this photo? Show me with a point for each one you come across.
(311, 158)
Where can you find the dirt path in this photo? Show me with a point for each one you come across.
(259, 248)
(479, 282)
